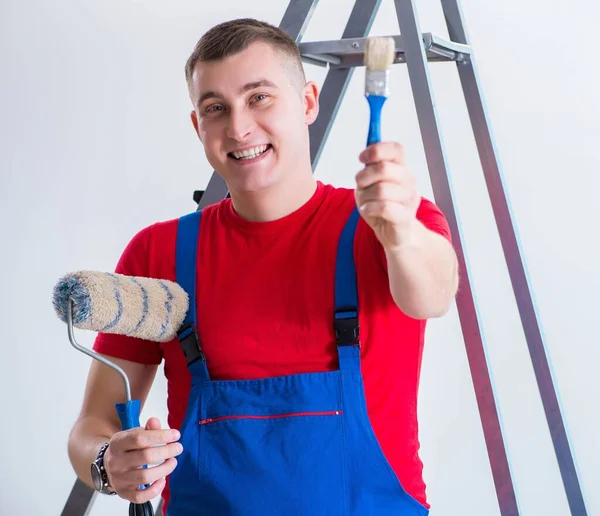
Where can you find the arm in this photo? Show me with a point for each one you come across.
(129, 450)
(98, 420)
(423, 273)
(421, 263)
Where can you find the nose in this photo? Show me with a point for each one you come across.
(241, 123)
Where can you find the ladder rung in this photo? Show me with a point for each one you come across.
(349, 52)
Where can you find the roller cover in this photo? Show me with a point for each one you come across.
(146, 308)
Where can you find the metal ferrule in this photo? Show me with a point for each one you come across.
(377, 82)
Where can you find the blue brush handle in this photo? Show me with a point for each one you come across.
(376, 103)
(129, 414)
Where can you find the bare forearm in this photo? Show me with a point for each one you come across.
(85, 440)
(423, 274)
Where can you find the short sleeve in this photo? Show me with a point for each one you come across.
(433, 218)
(134, 261)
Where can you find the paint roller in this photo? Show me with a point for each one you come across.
(144, 308)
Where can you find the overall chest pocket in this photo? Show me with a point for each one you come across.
(285, 462)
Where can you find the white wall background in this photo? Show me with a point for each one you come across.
(96, 143)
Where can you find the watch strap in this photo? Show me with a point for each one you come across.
(105, 487)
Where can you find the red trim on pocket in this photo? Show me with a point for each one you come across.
(274, 416)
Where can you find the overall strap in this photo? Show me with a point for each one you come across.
(185, 275)
(346, 298)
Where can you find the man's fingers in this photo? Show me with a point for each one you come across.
(136, 495)
(131, 457)
(383, 171)
(383, 151)
(390, 192)
(153, 455)
(141, 438)
(153, 423)
(386, 210)
(142, 476)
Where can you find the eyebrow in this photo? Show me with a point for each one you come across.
(246, 87)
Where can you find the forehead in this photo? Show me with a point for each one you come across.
(259, 61)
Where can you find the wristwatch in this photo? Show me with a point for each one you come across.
(99, 476)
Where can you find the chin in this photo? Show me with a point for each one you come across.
(251, 180)
(254, 183)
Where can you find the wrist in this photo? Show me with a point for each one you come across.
(408, 238)
(99, 474)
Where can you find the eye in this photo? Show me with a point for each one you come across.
(259, 97)
(214, 108)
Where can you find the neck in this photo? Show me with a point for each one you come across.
(276, 201)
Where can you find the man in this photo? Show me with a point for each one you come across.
(267, 290)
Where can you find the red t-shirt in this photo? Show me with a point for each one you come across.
(265, 303)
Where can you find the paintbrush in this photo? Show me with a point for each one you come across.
(378, 58)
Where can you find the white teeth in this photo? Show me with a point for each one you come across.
(250, 153)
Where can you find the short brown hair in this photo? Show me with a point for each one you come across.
(233, 36)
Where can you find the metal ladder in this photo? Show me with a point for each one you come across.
(416, 50)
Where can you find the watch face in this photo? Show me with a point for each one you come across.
(96, 477)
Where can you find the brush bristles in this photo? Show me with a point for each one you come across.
(379, 53)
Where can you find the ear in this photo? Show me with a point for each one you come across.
(310, 98)
(194, 118)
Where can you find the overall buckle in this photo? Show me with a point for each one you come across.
(190, 343)
(347, 329)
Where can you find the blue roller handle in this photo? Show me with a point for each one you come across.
(129, 414)
(376, 103)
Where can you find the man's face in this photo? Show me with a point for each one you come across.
(252, 118)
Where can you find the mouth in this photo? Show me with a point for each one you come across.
(250, 155)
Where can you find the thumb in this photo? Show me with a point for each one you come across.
(153, 423)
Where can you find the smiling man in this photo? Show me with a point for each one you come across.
(244, 120)
(311, 306)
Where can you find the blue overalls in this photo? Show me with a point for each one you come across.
(297, 445)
